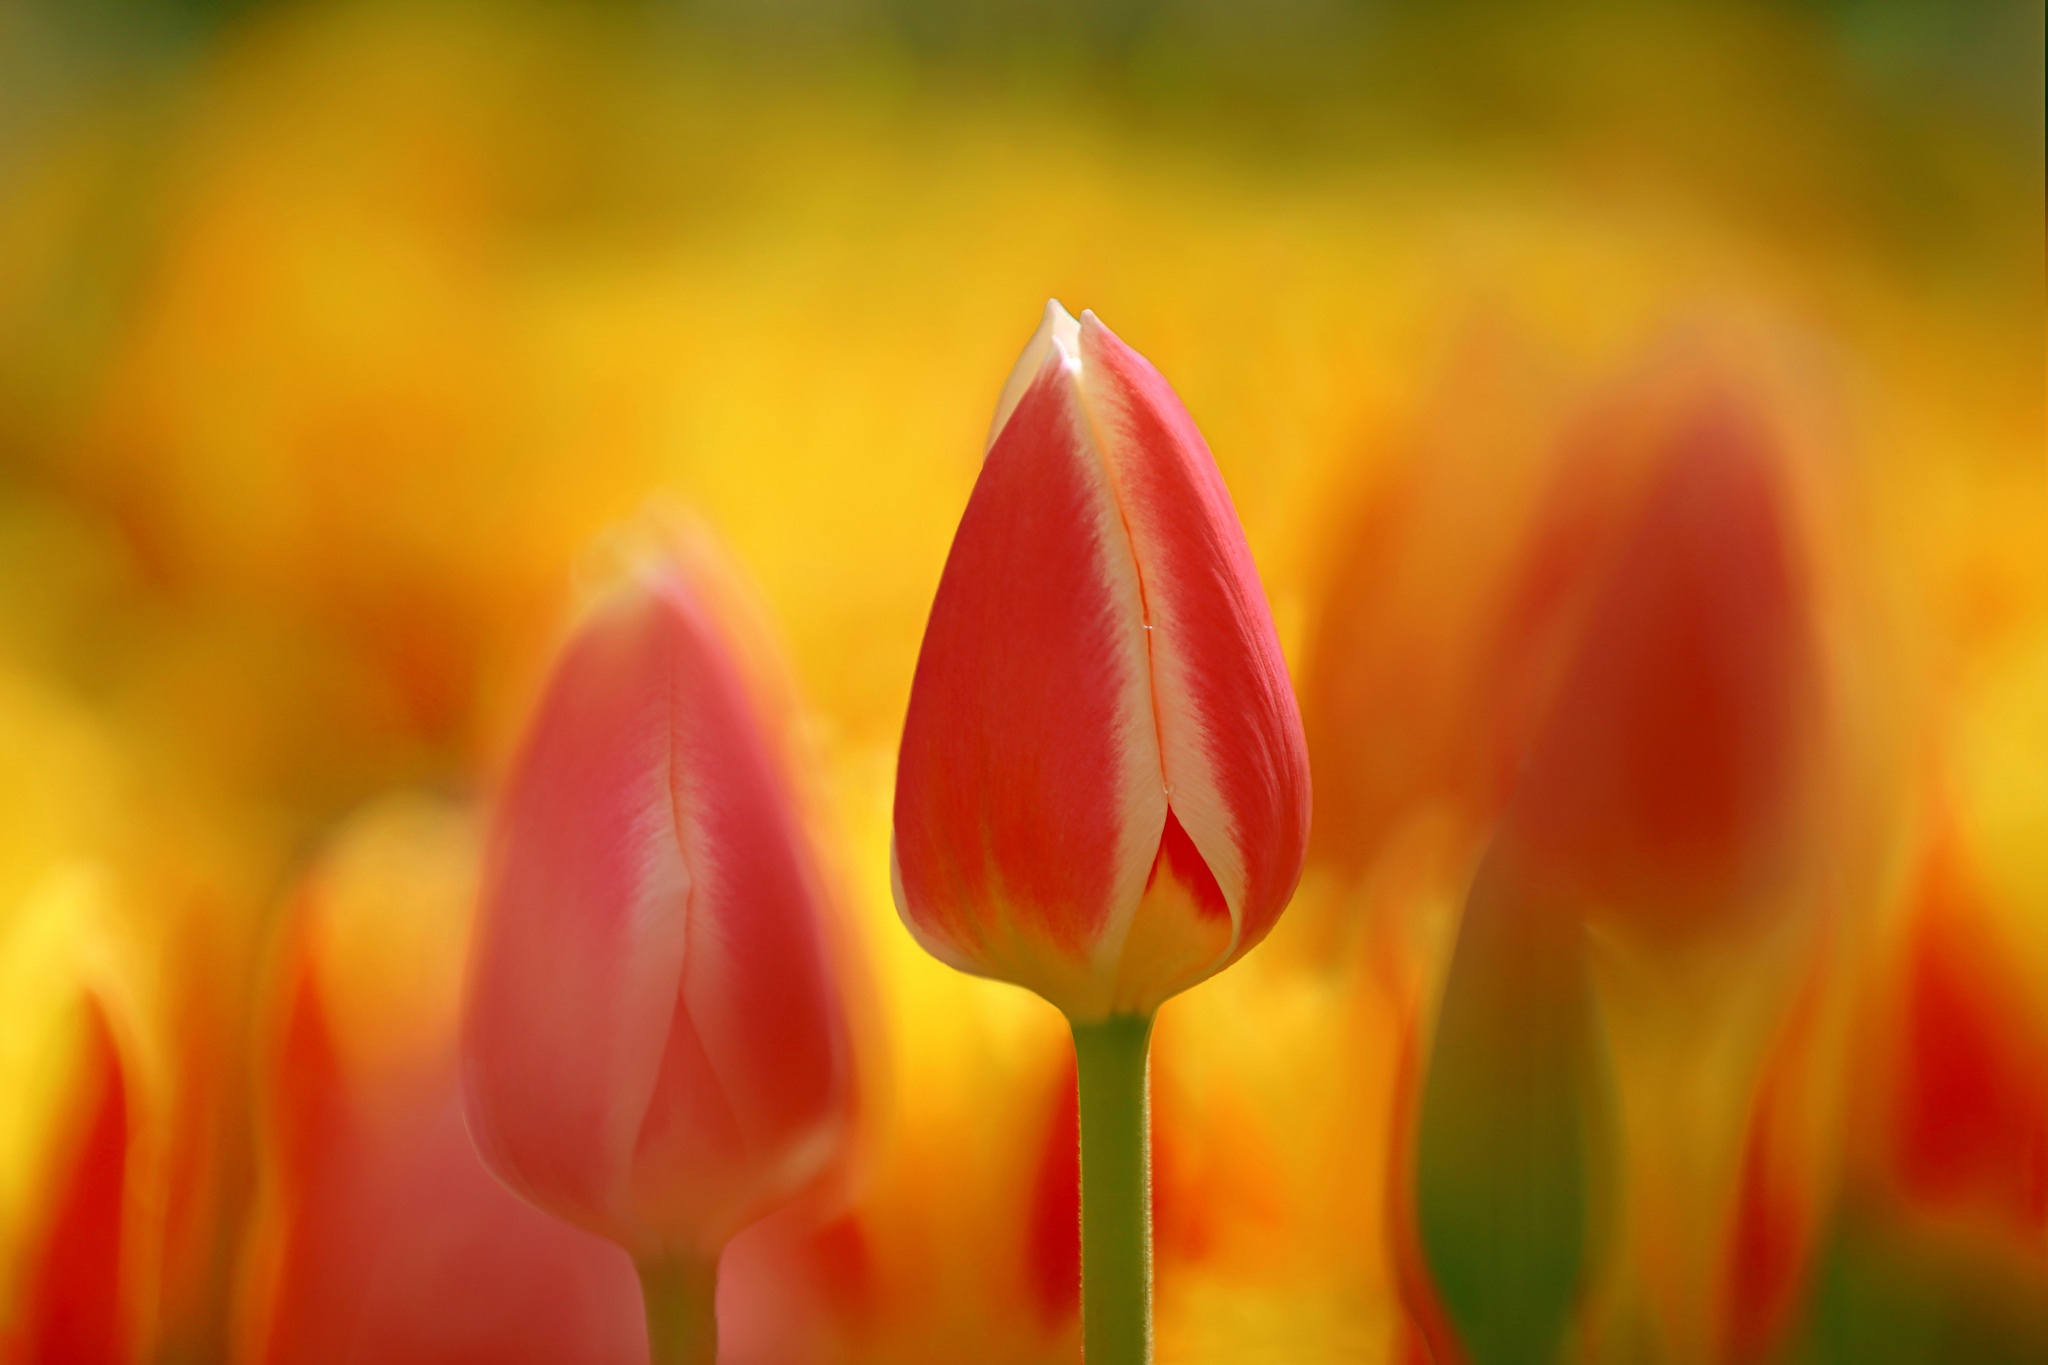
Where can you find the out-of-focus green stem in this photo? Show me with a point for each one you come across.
(1116, 1190)
(681, 1294)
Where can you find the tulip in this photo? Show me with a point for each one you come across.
(654, 1044)
(1940, 1248)
(1662, 792)
(1657, 828)
(82, 1177)
(378, 1234)
(1964, 1117)
(1102, 793)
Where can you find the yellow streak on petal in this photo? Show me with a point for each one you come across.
(1173, 944)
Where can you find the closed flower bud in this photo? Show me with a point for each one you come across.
(1103, 792)
(654, 1044)
(1663, 792)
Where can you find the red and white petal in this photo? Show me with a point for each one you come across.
(1057, 329)
(580, 933)
(1029, 799)
(755, 1083)
(1234, 760)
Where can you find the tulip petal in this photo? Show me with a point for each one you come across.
(1182, 931)
(654, 1048)
(469, 1273)
(1235, 763)
(580, 947)
(1058, 329)
(1029, 798)
(754, 1056)
(73, 1309)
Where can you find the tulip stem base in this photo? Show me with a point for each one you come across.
(1116, 1189)
(681, 1294)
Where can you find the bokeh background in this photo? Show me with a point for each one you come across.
(336, 339)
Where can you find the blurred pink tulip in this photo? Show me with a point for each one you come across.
(381, 1235)
(1103, 791)
(654, 1045)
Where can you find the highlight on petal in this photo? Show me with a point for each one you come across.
(759, 1010)
(1057, 340)
(579, 946)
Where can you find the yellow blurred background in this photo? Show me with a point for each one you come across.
(334, 336)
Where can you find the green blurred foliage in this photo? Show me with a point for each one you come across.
(1515, 1137)
(1883, 1295)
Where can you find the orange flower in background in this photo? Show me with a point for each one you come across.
(110, 1207)
(380, 1235)
(1102, 792)
(122, 985)
(1961, 1085)
(78, 1055)
(655, 1046)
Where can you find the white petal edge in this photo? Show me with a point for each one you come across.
(1057, 329)
(1188, 776)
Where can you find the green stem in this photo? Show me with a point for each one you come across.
(1116, 1190)
(681, 1294)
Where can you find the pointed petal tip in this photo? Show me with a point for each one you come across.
(1062, 327)
(1058, 333)
(1089, 325)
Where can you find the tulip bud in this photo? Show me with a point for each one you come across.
(1666, 808)
(654, 1046)
(1664, 788)
(1103, 791)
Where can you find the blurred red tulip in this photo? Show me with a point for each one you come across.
(654, 1045)
(86, 1069)
(1102, 792)
(1662, 786)
(1967, 1128)
(380, 1235)
(74, 1312)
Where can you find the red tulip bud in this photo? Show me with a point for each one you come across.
(1103, 791)
(1664, 787)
